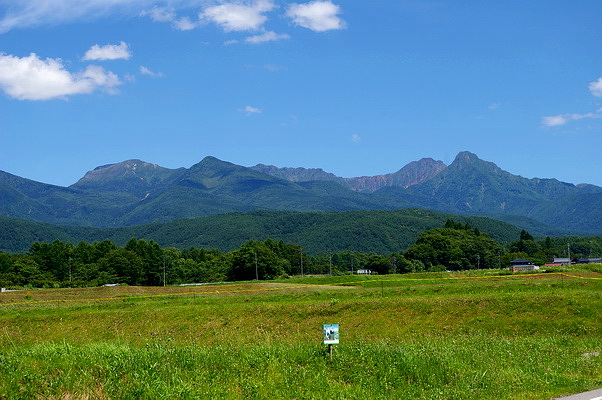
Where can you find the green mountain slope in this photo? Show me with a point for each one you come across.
(27, 199)
(135, 177)
(473, 186)
(214, 186)
(368, 231)
(135, 192)
(581, 211)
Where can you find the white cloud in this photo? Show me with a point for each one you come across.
(160, 14)
(494, 106)
(146, 71)
(266, 37)
(163, 14)
(318, 16)
(238, 16)
(554, 120)
(356, 138)
(274, 67)
(184, 24)
(31, 78)
(24, 13)
(251, 110)
(562, 119)
(595, 88)
(109, 52)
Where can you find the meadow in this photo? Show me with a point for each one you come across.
(477, 335)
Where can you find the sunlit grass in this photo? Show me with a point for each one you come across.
(410, 336)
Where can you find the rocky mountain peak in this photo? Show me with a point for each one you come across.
(132, 176)
(119, 170)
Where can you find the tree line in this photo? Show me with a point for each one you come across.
(455, 246)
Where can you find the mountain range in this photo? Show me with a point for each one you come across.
(135, 192)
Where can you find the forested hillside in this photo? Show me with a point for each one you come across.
(369, 231)
(453, 246)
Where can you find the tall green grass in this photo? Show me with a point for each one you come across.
(400, 339)
(469, 367)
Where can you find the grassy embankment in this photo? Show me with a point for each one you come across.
(412, 336)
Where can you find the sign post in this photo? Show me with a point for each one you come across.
(331, 336)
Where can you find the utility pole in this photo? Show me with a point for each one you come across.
(351, 263)
(330, 265)
(256, 270)
(301, 258)
(478, 261)
(164, 272)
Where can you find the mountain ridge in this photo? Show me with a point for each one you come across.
(135, 192)
(411, 174)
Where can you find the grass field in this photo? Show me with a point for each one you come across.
(421, 336)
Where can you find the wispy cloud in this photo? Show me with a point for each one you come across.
(25, 13)
(356, 138)
(249, 110)
(160, 14)
(164, 14)
(274, 67)
(238, 16)
(229, 15)
(146, 71)
(595, 89)
(266, 37)
(184, 24)
(562, 119)
(318, 16)
(31, 78)
(109, 52)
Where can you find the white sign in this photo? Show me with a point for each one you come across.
(331, 334)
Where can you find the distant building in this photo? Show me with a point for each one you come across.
(364, 272)
(520, 261)
(562, 261)
(590, 260)
(521, 264)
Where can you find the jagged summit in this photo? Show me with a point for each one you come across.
(411, 174)
(298, 174)
(136, 192)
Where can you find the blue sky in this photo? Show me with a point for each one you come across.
(354, 87)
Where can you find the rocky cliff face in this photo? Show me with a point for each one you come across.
(412, 174)
(297, 174)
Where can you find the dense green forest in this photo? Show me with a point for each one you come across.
(317, 232)
(452, 246)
